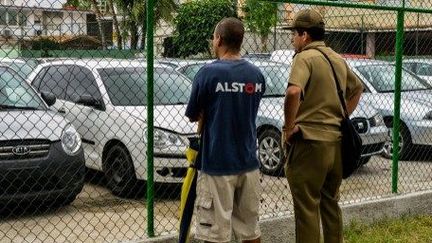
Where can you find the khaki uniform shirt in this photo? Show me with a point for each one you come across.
(320, 113)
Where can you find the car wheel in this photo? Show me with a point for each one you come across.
(405, 143)
(270, 152)
(64, 201)
(365, 160)
(120, 173)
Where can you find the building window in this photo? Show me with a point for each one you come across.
(3, 18)
(12, 18)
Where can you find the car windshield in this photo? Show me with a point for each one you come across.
(382, 78)
(128, 86)
(15, 93)
(424, 69)
(23, 68)
(276, 79)
(191, 70)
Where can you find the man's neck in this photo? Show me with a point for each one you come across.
(227, 55)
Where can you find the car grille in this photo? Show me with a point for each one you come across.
(360, 124)
(24, 149)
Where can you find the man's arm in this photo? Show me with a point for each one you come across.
(291, 106)
(353, 102)
(195, 107)
(354, 89)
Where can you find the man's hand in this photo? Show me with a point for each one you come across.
(200, 122)
(287, 135)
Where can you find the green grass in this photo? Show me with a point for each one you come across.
(405, 230)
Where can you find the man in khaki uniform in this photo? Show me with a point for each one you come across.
(313, 114)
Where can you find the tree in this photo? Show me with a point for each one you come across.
(99, 22)
(260, 17)
(135, 16)
(86, 5)
(116, 24)
(195, 23)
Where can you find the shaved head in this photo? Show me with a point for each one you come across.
(231, 32)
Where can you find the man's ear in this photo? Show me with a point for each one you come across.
(306, 36)
(218, 40)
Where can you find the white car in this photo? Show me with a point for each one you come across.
(285, 56)
(416, 104)
(107, 101)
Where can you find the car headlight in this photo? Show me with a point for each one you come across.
(376, 121)
(166, 140)
(70, 140)
(428, 116)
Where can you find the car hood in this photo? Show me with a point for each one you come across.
(271, 111)
(364, 110)
(40, 124)
(170, 117)
(273, 107)
(414, 104)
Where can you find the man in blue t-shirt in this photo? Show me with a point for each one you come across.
(225, 98)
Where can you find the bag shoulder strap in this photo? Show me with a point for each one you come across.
(339, 89)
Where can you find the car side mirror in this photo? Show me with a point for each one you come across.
(88, 100)
(49, 98)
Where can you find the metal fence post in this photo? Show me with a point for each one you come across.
(150, 185)
(397, 99)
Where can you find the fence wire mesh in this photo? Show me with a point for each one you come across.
(73, 108)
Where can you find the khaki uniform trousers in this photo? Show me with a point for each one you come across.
(314, 173)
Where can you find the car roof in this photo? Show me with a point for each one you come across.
(266, 63)
(179, 63)
(282, 55)
(101, 63)
(362, 62)
(422, 60)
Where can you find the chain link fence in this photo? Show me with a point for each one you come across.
(74, 108)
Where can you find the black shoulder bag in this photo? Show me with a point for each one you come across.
(351, 141)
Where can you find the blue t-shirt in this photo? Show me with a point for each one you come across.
(228, 92)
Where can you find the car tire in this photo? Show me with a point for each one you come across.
(64, 201)
(405, 150)
(270, 152)
(120, 172)
(365, 160)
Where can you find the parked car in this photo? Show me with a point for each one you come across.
(422, 67)
(21, 66)
(107, 101)
(41, 158)
(257, 56)
(187, 67)
(284, 56)
(270, 117)
(416, 103)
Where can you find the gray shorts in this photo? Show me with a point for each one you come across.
(226, 203)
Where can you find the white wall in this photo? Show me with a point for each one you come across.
(40, 3)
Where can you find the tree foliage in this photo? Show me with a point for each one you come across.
(260, 17)
(195, 23)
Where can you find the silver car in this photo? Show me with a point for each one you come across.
(41, 158)
(422, 67)
(270, 117)
(416, 103)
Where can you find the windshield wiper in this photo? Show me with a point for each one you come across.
(12, 107)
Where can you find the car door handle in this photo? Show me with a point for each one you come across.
(62, 110)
